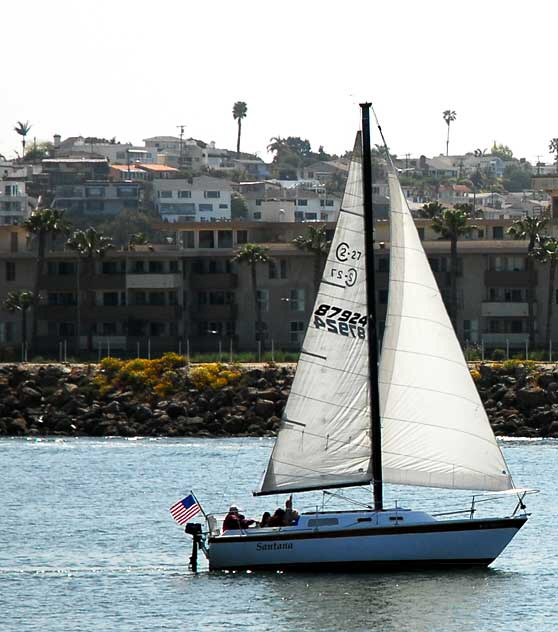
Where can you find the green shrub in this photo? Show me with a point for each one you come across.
(498, 355)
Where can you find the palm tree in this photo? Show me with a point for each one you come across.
(240, 109)
(452, 224)
(252, 254)
(20, 301)
(137, 239)
(88, 244)
(547, 252)
(553, 148)
(432, 209)
(42, 222)
(528, 228)
(449, 116)
(315, 241)
(22, 129)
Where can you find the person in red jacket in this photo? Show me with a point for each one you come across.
(235, 520)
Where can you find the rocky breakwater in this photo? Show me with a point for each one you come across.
(163, 398)
(69, 401)
(521, 398)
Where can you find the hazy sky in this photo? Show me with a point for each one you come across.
(138, 69)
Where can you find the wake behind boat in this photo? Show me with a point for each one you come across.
(413, 418)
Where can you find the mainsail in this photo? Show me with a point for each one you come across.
(435, 431)
(324, 439)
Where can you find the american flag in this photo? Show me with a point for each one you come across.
(185, 509)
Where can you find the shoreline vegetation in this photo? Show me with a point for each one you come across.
(166, 398)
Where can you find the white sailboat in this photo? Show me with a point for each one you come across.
(414, 419)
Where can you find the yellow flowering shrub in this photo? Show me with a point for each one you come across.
(140, 374)
(475, 375)
(213, 375)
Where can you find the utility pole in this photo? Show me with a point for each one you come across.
(538, 165)
(407, 156)
(181, 155)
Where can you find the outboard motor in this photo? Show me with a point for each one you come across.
(195, 530)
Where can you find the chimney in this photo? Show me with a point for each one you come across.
(57, 141)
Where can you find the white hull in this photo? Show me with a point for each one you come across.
(397, 540)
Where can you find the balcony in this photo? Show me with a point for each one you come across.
(153, 281)
(515, 340)
(154, 312)
(522, 278)
(58, 282)
(221, 281)
(214, 312)
(502, 309)
(545, 183)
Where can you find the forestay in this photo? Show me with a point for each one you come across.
(324, 439)
(435, 431)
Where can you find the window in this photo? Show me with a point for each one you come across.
(301, 202)
(94, 192)
(296, 331)
(256, 215)
(10, 271)
(223, 206)
(165, 194)
(207, 239)
(110, 299)
(497, 232)
(324, 216)
(206, 208)
(109, 267)
(298, 216)
(67, 330)
(326, 202)
(156, 267)
(262, 296)
(188, 239)
(259, 202)
(173, 266)
(108, 329)
(297, 300)
(185, 194)
(156, 329)
(156, 298)
(516, 326)
(138, 267)
(139, 298)
(173, 297)
(126, 192)
(283, 269)
(383, 264)
(10, 190)
(95, 205)
(224, 239)
(211, 194)
(6, 332)
(241, 236)
(272, 269)
(66, 268)
(311, 216)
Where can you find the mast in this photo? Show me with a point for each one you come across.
(375, 420)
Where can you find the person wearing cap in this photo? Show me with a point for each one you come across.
(235, 520)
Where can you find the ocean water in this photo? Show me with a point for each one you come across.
(87, 544)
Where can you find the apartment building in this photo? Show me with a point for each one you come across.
(14, 202)
(97, 197)
(196, 199)
(191, 292)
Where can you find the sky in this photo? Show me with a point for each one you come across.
(140, 69)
